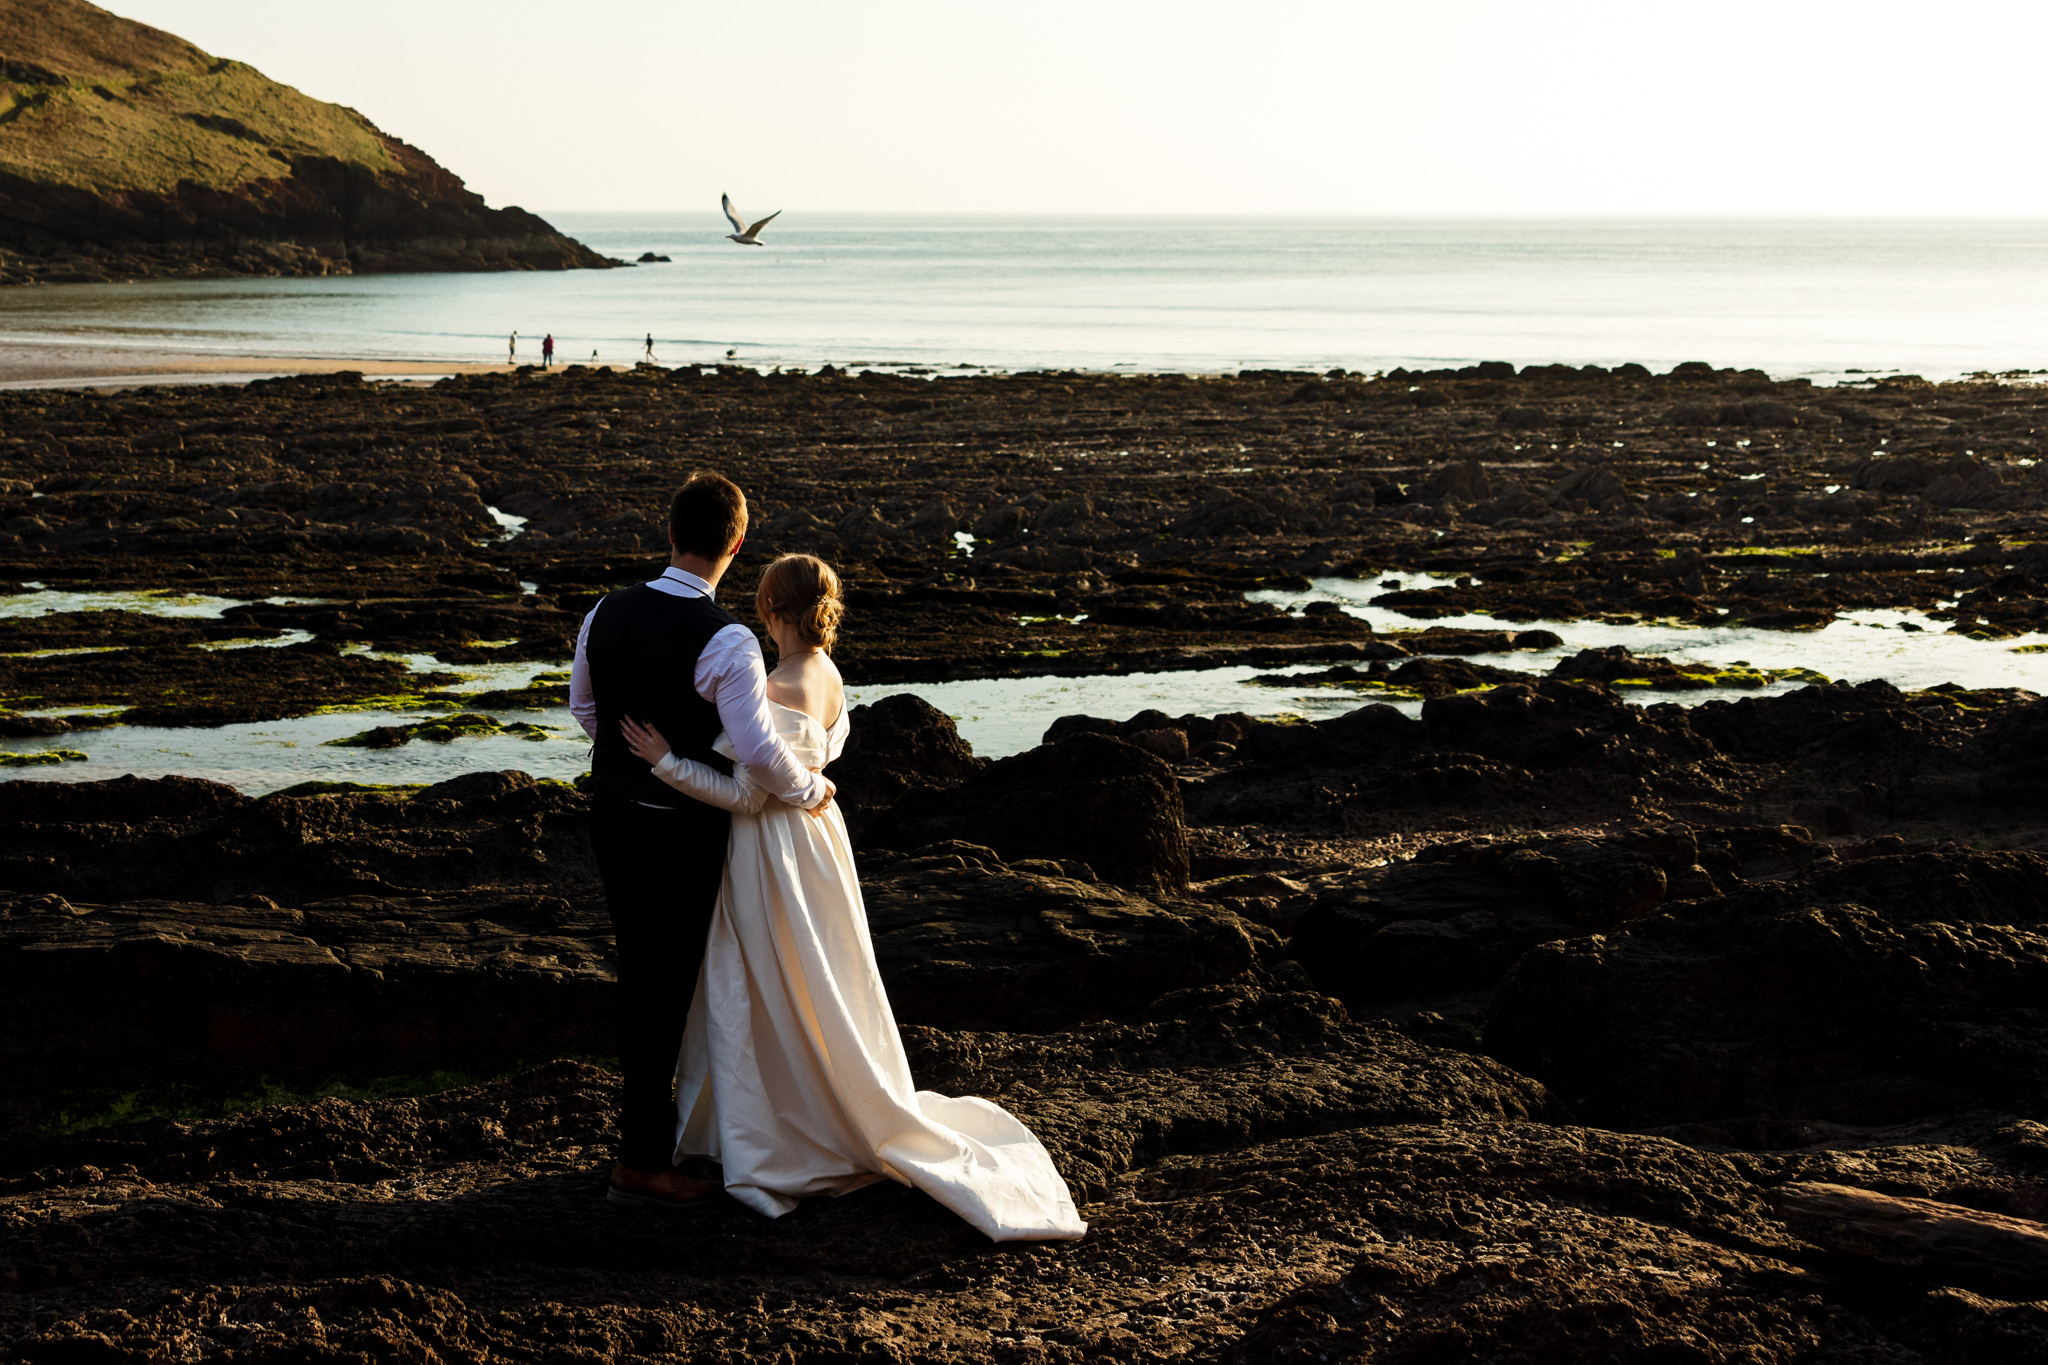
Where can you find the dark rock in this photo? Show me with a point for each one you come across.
(893, 746)
(1188, 1074)
(1464, 480)
(1458, 917)
(1616, 662)
(362, 985)
(1595, 485)
(477, 789)
(1919, 1233)
(1169, 744)
(1887, 989)
(966, 941)
(1090, 797)
(2014, 747)
(1869, 724)
(1300, 1177)
(181, 839)
(1767, 412)
(118, 800)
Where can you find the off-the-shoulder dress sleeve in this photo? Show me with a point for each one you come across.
(710, 786)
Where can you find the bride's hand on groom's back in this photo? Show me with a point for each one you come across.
(831, 790)
(644, 740)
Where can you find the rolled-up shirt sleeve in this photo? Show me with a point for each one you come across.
(732, 676)
(582, 700)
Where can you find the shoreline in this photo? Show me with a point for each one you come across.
(82, 367)
(33, 365)
(30, 366)
(27, 366)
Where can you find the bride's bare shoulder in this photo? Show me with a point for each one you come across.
(788, 691)
(811, 685)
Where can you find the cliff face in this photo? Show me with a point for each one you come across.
(126, 153)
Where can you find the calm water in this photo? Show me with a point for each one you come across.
(1812, 298)
(998, 716)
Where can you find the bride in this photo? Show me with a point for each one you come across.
(792, 1075)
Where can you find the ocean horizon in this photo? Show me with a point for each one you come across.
(1821, 299)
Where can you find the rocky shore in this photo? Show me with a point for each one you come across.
(1549, 1020)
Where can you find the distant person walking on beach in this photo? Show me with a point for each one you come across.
(649, 357)
(547, 350)
(512, 350)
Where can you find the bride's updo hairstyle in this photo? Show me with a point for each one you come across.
(803, 589)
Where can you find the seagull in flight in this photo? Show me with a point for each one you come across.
(741, 233)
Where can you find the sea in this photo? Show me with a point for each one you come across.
(1826, 300)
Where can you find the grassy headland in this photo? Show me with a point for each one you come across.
(127, 152)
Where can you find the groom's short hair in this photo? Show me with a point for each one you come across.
(708, 516)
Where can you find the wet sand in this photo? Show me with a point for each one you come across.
(25, 365)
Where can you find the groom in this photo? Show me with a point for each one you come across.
(666, 654)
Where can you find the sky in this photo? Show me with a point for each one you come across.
(1557, 108)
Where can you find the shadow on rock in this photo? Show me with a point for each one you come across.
(1089, 798)
(1864, 993)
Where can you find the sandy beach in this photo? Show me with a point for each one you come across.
(34, 366)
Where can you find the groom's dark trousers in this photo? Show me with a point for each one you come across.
(661, 855)
(662, 870)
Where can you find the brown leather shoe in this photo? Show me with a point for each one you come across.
(669, 1189)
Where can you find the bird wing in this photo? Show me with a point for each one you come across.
(731, 214)
(764, 222)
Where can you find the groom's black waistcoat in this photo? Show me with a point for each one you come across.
(642, 651)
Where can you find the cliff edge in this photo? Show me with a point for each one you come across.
(128, 153)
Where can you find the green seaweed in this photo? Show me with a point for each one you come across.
(1971, 698)
(40, 757)
(390, 701)
(325, 788)
(533, 697)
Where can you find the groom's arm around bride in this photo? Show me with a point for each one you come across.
(665, 653)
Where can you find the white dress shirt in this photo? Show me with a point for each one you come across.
(732, 676)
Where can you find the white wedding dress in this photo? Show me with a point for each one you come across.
(791, 1073)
